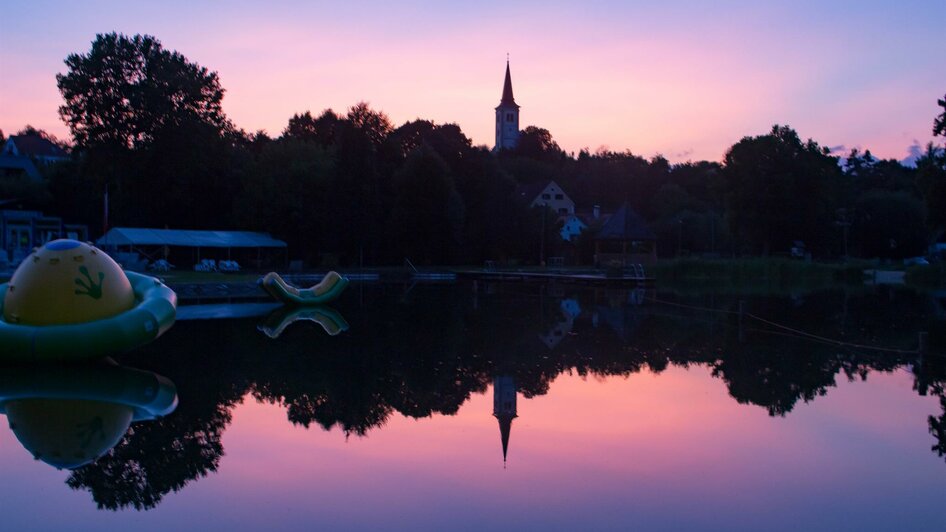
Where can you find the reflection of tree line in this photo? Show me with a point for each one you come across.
(427, 352)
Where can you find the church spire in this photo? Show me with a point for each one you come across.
(504, 407)
(507, 88)
(507, 116)
(505, 426)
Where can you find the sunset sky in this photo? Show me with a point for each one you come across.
(685, 79)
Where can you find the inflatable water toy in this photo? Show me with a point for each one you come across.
(70, 300)
(68, 416)
(331, 321)
(326, 291)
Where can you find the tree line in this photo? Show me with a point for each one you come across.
(148, 128)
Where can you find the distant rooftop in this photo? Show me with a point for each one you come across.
(625, 224)
(532, 190)
(33, 145)
(133, 236)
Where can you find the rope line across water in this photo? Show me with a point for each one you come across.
(831, 340)
(787, 328)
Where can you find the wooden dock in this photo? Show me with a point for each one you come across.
(589, 278)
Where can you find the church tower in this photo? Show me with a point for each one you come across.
(504, 407)
(507, 117)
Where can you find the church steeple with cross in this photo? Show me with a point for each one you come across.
(507, 116)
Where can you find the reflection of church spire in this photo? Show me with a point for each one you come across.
(504, 407)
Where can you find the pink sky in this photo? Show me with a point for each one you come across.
(685, 80)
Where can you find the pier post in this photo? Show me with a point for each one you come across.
(921, 345)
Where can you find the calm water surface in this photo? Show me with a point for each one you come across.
(615, 410)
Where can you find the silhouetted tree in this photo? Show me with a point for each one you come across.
(939, 123)
(866, 172)
(126, 89)
(537, 143)
(287, 191)
(779, 189)
(375, 125)
(320, 129)
(151, 130)
(495, 224)
(889, 225)
(427, 214)
(931, 180)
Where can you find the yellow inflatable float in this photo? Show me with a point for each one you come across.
(70, 300)
(68, 415)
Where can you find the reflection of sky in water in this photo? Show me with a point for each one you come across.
(671, 450)
(764, 434)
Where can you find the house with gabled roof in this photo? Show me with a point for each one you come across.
(23, 155)
(36, 147)
(548, 194)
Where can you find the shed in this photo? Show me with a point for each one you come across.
(189, 246)
(626, 239)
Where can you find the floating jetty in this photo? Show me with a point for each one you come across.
(635, 278)
(434, 276)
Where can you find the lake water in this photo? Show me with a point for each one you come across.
(615, 409)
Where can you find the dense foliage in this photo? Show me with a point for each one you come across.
(148, 127)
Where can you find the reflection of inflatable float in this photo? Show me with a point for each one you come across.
(69, 300)
(328, 289)
(68, 416)
(328, 318)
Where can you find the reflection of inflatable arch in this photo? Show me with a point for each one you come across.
(329, 318)
(68, 416)
(152, 315)
(329, 288)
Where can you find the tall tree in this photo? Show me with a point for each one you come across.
(780, 189)
(931, 180)
(125, 89)
(373, 124)
(153, 133)
(932, 174)
(939, 123)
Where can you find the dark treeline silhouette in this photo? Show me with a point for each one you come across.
(147, 125)
(424, 351)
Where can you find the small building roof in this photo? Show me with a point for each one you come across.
(529, 192)
(133, 236)
(594, 223)
(33, 145)
(625, 224)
